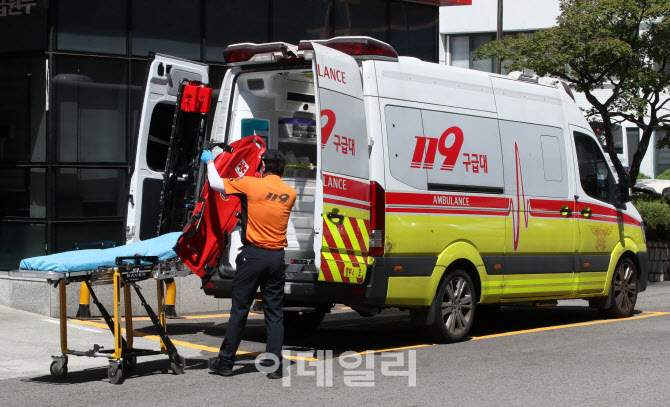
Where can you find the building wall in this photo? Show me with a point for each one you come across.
(71, 81)
(477, 24)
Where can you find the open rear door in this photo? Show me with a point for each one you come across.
(343, 188)
(157, 118)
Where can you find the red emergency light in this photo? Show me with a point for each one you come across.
(354, 46)
(259, 52)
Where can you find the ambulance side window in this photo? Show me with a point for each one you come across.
(159, 136)
(594, 174)
(534, 158)
(404, 128)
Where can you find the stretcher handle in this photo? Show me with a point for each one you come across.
(225, 147)
(137, 260)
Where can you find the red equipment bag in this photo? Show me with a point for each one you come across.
(195, 98)
(216, 214)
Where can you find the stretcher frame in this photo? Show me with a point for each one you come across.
(128, 272)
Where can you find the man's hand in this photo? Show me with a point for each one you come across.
(207, 156)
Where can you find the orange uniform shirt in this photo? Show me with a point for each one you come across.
(269, 204)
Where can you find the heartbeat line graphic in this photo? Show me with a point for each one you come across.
(522, 203)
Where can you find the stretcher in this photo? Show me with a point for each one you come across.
(124, 266)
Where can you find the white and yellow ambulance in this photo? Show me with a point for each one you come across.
(420, 186)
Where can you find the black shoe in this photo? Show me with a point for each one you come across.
(267, 363)
(217, 365)
(277, 374)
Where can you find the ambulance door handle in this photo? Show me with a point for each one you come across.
(331, 216)
(566, 212)
(586, 212)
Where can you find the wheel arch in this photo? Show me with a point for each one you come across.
(464, 256)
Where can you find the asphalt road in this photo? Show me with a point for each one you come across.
(565, 355)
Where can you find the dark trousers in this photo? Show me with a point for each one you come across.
(256, 267)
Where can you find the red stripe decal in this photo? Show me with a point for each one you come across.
(346, 188)
(347, 204)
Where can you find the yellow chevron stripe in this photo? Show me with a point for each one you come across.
(351, 234)
(364, 233)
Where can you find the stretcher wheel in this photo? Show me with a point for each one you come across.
(115, 373)
(129, 363)
(178, 368)
(58, 370)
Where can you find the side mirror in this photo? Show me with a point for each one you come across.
(624, 188)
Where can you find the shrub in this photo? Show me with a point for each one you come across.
(665, 175)
(655, 213)
(643, 176)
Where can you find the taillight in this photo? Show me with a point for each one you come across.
(377, 220)
(250, 52)
(354, 46)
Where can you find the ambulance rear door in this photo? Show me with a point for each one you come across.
(158, 109)
(342, 209)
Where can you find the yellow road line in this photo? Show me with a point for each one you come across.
(183, 343)
(645, 314)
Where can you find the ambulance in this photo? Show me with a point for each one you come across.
(424, 187)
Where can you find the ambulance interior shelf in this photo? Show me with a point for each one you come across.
(297, 140)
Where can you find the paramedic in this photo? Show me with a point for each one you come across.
(261, 262)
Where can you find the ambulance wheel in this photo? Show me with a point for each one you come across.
(623, 291)
(58, 370)
(303, 321)
(454, 308)
(178, 367)
(115, 372)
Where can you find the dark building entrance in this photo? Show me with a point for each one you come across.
(71, 82)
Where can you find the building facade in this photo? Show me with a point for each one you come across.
(71, 81)
(464, 29)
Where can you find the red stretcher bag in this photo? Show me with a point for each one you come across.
(216, 214)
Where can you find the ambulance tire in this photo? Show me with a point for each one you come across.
(298, 321)
(623, 291)
(453, 308)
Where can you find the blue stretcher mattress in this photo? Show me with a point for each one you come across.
(80, 260)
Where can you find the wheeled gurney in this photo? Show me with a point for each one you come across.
(124, 266)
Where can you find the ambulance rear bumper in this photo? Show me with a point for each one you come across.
(306, 290)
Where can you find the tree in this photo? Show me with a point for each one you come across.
(624, 44)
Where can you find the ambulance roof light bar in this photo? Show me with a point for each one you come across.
(248, 52)
(357, 47)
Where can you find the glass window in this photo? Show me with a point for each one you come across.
(477, 41)
(138, 79)
(22, 110)
(661, 155)
(86, 193)
(167, 26)
(23, 26)
(159, 136)
(66, 235)
(93, 26)
(367, 18)
(23, 191)
(633, 141)
(295, 20)
(594, 173)
(19, 241)
(236, 14)
(422, 31)
(90, 96)
(459, 47)
(551, 158)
